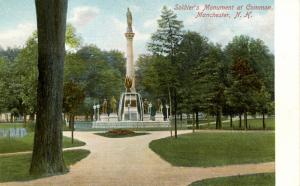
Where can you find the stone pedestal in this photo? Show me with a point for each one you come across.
(113, 117)
(146, 117)
(104, 118)
(159, 117)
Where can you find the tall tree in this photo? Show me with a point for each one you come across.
(242, 94)
(165, 41)
(211, 82)
(264, 104)
(252, 67)
(26, 69)
(193, 50)
(73, 97)
(47, 155)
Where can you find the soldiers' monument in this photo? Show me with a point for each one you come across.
(130, 104)
(131, 111)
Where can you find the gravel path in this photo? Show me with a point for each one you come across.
(129, 161)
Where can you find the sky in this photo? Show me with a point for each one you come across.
(103, 23)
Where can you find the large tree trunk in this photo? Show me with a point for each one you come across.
(47, 155)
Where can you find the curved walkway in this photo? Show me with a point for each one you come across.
(129, 161)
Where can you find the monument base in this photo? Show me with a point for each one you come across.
(159, 117)
(130, 107)
(130, 124)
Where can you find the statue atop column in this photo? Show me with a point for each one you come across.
(129, 21)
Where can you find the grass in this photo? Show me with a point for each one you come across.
(262, 179)
(203, 149)
(11, 125)
(254, 124)
(16, 167)
(10, 145)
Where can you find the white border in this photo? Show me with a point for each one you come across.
(287, 24)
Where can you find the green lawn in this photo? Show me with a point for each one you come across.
(263, 179)
(16, 167)
(206, 149)
(8, 145)
(254, 124)
(11, 125)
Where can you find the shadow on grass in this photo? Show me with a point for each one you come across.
(16, 167)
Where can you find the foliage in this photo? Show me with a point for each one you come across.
(165, 42)
(99, 73)
(73, 97)
(166, 39)
(232, 80)
(193, 50)
(72, 39)
(211, 78)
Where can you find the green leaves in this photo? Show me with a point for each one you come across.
(166, 39)
(73, 97)
(72, 40)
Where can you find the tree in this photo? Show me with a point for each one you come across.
(193, 50)
(9, 54)
(73, 97)
(242, 93)
(10, 87)
(72, 39)
(165, 42)
(47, 155)
(26, 70)
(20, 80)
(98, 72)
(264, 103)
(252, 66)
(210, 76)
(152, 76)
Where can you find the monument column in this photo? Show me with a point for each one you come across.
(130, 63)
(130, 68)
